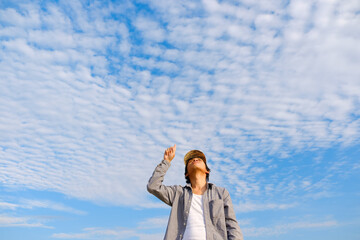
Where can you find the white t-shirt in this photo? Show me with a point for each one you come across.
(195, 227)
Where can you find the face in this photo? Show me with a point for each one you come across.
(196, 164)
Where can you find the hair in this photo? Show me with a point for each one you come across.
(186, 172)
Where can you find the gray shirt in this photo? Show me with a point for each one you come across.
(219, 215)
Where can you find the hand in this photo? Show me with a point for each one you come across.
(170, 153)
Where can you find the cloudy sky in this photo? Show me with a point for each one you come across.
(92, 92)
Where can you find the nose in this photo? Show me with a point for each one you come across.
(196, 160)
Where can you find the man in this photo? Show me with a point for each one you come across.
(200, 210)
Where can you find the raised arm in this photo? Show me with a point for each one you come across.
(155, 186)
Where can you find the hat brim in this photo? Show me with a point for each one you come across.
(194, 154)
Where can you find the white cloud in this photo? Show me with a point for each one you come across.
(285, 228)
(87, 112)
(27, 203)
(7, 205)
(109, 234)
(97, 233)
(120, 232)
(10, 221)
(28, 17)
(150, 29)
(151, 223)
(32, 204)
(251, 207)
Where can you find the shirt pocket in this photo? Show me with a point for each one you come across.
(217, 215)
(216, 209)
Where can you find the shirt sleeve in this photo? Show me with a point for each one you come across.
(232, 226)
(155, 186)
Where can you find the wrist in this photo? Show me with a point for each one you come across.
(166, 162)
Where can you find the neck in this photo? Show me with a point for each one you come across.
(198, 182)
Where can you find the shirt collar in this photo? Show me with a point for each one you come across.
(209, 185)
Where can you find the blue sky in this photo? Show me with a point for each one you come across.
(92, 92)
